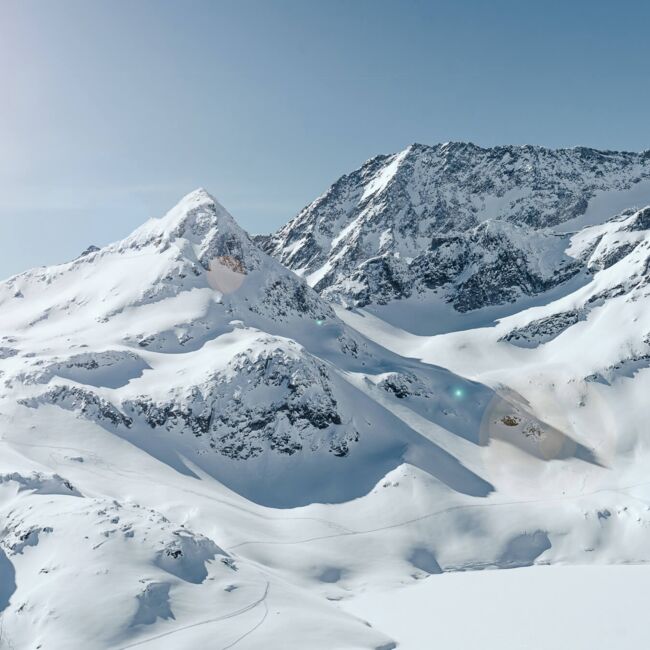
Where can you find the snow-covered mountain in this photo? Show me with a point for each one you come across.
(188, 332)
(207, 448)
(477, 226)
(184, 353)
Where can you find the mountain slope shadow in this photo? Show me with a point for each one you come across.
(273, 420)
(7, 581)
(508, 417)
(316, 475)
(324, 464)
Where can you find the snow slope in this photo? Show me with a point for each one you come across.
(582, 608)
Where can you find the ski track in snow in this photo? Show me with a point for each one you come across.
(132, 475)
(249, 632)
(216, 619)
(468, 506)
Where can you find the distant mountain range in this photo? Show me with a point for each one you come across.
(477, 226)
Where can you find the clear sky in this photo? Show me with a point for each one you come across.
(112, 110)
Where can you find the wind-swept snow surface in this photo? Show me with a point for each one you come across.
(198, 449)
(582, 608)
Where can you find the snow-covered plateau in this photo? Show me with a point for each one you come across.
(330, 437)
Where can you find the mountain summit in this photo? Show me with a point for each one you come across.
(477, 226)
(208, 228)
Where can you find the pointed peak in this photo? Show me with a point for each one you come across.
(195, 215)
(202, 228)
(455, 146)
(199, 201)
(200, 192)
(199, 195)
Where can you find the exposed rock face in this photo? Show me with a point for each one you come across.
(617, 253)
(477, 225)
(91, 249)
(279, 399)
(641, 220)
(544, 329)
(86, 402)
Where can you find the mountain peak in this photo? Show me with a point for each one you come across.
(400, 219)
(200, 222)
(198, 209)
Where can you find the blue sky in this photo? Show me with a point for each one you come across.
(112, 110)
